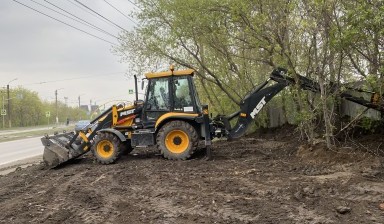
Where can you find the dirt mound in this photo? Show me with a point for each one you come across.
(258, 179)
(285, 132)
(320, 154)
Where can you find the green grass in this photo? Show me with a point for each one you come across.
(20, 133)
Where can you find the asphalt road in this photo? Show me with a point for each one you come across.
(20, 149)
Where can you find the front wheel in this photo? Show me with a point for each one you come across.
(177, 140)
(106, 148)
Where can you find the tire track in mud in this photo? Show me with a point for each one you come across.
(165, 200)
(225, 212)
(304, 215)
(353, 197)
(173, 201)
(368, 191)
(363, 191)
(173, 209)
(70, 210)
(72, 201)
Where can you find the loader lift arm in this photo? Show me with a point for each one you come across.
(60, 148)
(252, 104)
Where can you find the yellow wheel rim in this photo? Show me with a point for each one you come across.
(105, 149)
(177, 141)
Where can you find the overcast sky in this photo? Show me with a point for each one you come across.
(45, 55)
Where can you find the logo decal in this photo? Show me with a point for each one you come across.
(258, 107)
(128, 112)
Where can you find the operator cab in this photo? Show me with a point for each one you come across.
(170, 92)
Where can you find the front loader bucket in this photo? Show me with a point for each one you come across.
(55, 155)
(57, 149)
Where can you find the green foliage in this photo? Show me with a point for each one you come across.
(27, 109)
(369, 124)
(233, 45)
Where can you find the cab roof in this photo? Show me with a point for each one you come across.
(171, 72)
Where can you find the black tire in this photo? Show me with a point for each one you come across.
(177, 140)
(106, 148)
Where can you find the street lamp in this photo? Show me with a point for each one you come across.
(57, 111)
(9, 103)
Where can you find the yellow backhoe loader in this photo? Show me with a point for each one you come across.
(172, 118)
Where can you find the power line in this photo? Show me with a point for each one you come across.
(87, 11)
(101, 15)
(81, 20)
(120, 12)
(64, 23)
(70, 79)
(134, 4)
(73, 3)
(84, 23)
(113, 98)
(53, 10)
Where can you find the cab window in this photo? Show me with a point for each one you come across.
(158, 98)
(182, 95)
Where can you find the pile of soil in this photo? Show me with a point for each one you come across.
(263, 178)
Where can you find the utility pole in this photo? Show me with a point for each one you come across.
(9, 108)
(79, 99)
(9, 104)
(57, 109)
(90, 107)
(3, 108)
(66, 111)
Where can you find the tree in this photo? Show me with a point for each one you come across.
(233, 45)
(361, 37)
(28, 109)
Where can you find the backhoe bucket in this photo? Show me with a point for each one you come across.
(57, 149)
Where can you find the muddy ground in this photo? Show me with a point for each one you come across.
(262, 178)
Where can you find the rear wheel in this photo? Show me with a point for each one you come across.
(177, 140)
(106, 148)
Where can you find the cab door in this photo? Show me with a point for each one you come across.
(157, 100)
(184, 95)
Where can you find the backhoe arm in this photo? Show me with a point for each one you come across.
(251, 105)
(255, 101)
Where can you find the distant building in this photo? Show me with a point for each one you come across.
(85, 108)
(94, 108)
